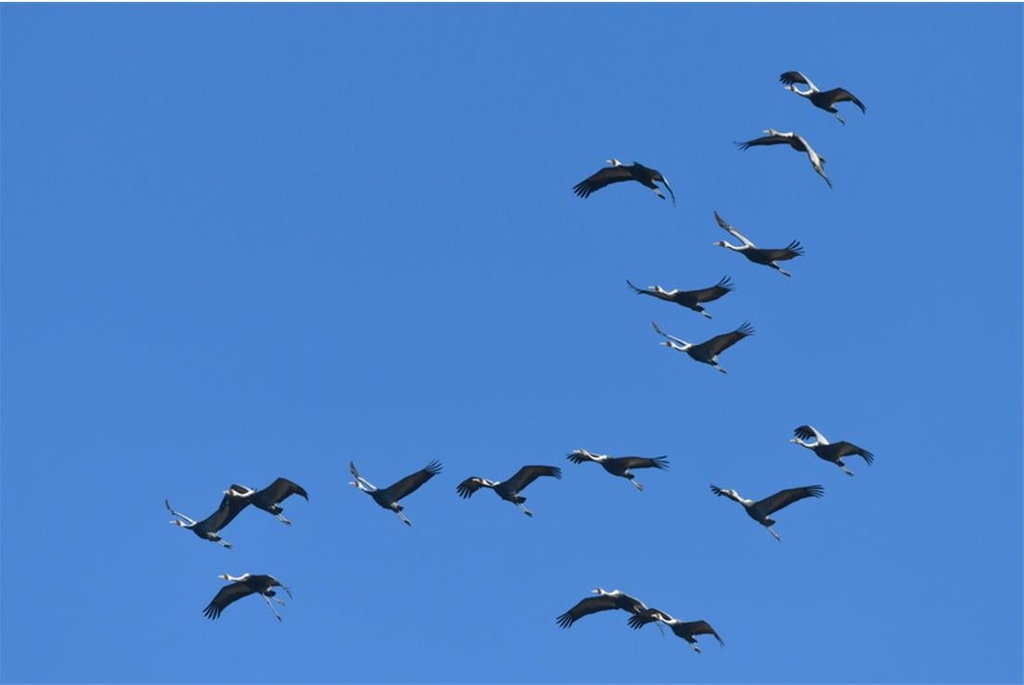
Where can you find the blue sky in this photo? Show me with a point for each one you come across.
(249, 241)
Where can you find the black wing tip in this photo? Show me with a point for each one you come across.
(816, 490)
(212, 611)
(726, 283)
(717, 490)
(582, 189)
(660, 462)
(554, 471)
(636, 622)
(433, 468)
(746, 328)
(565, 620)
(796, 247)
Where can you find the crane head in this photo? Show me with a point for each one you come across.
(176, 522)
(614, 162)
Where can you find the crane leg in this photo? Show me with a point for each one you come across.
(282, 519)
(403, 517)
(271, 605)
(224, 543)
(637, 485)
(774, 534)
(524, 509)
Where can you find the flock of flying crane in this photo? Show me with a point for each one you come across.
(237, 497)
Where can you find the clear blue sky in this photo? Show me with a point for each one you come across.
(249, 241)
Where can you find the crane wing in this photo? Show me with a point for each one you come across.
(784, 498)
(585, 607)
(794, 249)
(701, 628)
(639, 620)
(764, 140)
(843, 95)
(467, 487)
(790, 77)
(709, 294)
(732, 230)
(657, 329)
(528, 474)
(578, 457)
(641, 462)
(807, 431)
(281, 489)
(228, 594)
(599, 179)
(845, 449)
(412, 482)
(722, 342)
(229, 508)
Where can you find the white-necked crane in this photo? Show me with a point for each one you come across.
(619, 466)
(761, 510)
(691, 299)
(765, 256)
(389, 496)
(243, 586)
(822, 99)
(269, 497)
(619, 172)
(209, 527)
(604, 601)
(830, 451)
(706, 352)
(509, 489)
(795, 141)
(684, 629)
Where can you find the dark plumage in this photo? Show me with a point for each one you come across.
(509, 490)
(684, 629)
(691, 299)
(243, 586)
(269, 497)
(209, 527)
(706, 352)
(619, 466)
(390, 496)
(604, 601)
(795, 141)
(618, 172)
(760, 511)
(826, 99)
(764, 256)
(830, 451)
